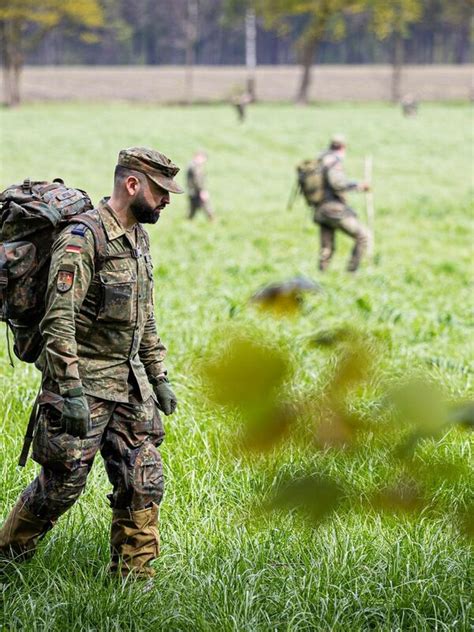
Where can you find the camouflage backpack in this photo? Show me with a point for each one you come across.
(311, 174)
(32, 215)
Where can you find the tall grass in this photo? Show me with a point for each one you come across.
(220, 568)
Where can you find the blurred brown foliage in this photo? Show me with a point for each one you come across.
(255, 378)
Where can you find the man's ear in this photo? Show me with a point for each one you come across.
(132, 185)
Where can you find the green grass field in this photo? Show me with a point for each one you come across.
(220, 568)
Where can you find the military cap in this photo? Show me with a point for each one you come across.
(338, 139)
(153, 164)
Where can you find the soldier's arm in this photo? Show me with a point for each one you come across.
(152, 351)
(338, 180)
(70, 274)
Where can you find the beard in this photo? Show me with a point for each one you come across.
(143, 212)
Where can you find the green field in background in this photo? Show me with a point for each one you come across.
(218, 569)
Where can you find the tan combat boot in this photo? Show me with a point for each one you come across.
(21, 532)
(134, 542)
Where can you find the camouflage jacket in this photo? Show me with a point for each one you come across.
(336, 182)
(99, 327)
(195, 179)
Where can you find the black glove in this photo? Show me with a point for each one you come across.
(76, 418)
(167, 401)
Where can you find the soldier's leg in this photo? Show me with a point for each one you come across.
(134, 467)
(193, 207)
(327, 248)
(66, 462)
(351, 225)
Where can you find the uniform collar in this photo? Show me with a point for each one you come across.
(112, 226)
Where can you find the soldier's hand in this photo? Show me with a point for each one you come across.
(76, 418)
(167, 401)
(364, 186)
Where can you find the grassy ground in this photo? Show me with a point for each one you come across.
(218, 569)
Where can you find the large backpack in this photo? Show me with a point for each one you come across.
(32, 215)
(311, 174)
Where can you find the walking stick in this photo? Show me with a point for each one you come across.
(369, 205)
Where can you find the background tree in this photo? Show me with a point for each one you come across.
(322, 19)
(24, 23)
(392, 20)
(460, 15)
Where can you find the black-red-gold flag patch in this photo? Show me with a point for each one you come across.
(73, 248)
(65, 280)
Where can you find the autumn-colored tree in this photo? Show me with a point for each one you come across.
(324, 19)
(392, 19)
(24, 23)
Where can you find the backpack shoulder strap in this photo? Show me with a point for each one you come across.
(100, 240)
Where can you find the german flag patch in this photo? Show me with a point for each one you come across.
(73, 248)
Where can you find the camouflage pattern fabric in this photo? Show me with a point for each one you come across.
(195, 179)
(127, 435)
(196, 185)
(336, 183)
(99, 328)
(196, 203)
(334, 214)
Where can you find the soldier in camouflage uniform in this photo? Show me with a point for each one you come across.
(196, 185)
(333, 213)
(103, 373)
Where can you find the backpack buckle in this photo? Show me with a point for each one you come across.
(136, 253)
(26, 184)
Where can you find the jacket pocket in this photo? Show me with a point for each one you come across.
(117, 296)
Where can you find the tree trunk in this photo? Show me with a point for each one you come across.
(191, 38)
(12, 62)
(251, 50)
(307, 59)
(397, 67)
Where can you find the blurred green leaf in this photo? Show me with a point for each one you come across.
(353, 367)
(313, 496)
(267, 427)
(245, 373)
(403, 497)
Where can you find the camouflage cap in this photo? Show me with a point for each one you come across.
(153, 164)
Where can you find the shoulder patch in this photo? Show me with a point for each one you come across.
(65, 279)
(79, 229)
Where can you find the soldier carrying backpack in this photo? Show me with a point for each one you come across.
(323, 184)
(83, 279)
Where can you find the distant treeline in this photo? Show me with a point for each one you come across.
(156, 32)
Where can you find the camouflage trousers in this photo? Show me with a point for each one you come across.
(333, 216)
(196, 203)
(127, 436)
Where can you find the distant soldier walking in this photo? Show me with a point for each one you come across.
(409, 106)
(103, 369)
(332, 211)
(240, 102)
(198, 194)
